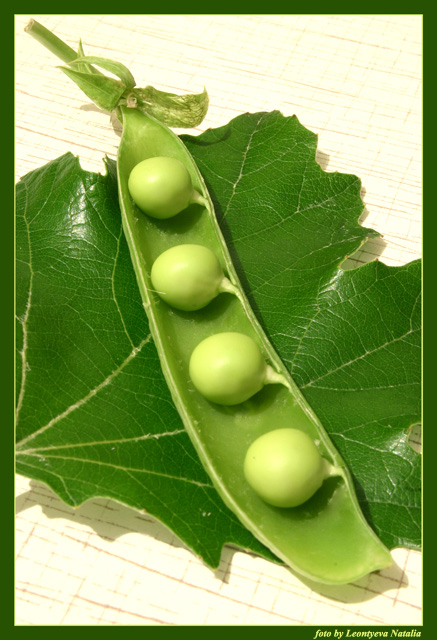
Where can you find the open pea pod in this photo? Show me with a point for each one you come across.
(325, 539)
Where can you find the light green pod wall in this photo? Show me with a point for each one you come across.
(327, 538)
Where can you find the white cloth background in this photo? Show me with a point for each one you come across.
(355, 80)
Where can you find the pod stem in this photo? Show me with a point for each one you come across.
(50, 41)
(110, 94)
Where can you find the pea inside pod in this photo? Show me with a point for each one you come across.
(228, 368)
(189, 276)
(325, 539)
(162, 187)
(284, 467)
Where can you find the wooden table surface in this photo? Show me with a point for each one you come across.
(355, 81)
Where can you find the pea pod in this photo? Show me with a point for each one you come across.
(325, 539)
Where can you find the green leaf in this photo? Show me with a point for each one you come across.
(351, 339)
(95, 417)
(117, 68)
(105, 92)
(83, 66)
(94, 414)
(173, 110)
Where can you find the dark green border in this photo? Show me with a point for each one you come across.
(223, 7)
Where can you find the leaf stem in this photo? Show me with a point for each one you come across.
(50, 41)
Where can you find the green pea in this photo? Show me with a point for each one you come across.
(228, 368)
(284, 467)
(189, 276)
(162, 187)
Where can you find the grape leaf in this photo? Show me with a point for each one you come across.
(94, 416)
(351, 339)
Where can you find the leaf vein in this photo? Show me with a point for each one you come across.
(130, 470)
(89, 395)
(360, 357)
(24, 321)
(72, 445)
